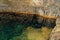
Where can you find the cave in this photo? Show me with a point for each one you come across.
(10, 20)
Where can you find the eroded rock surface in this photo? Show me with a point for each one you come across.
(46, 8)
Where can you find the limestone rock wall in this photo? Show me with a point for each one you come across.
(49, 8)
(42, 7)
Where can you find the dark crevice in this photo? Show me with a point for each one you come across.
(25, 19)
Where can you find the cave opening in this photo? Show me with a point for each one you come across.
(12, 24)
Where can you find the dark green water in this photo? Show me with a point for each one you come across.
(7, 32)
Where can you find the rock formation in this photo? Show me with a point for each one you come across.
(48, 9)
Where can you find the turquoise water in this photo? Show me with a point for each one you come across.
(15, 31)
(7, 32)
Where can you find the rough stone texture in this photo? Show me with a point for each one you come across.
(42, 7)
(49, 8)
(55, 34)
